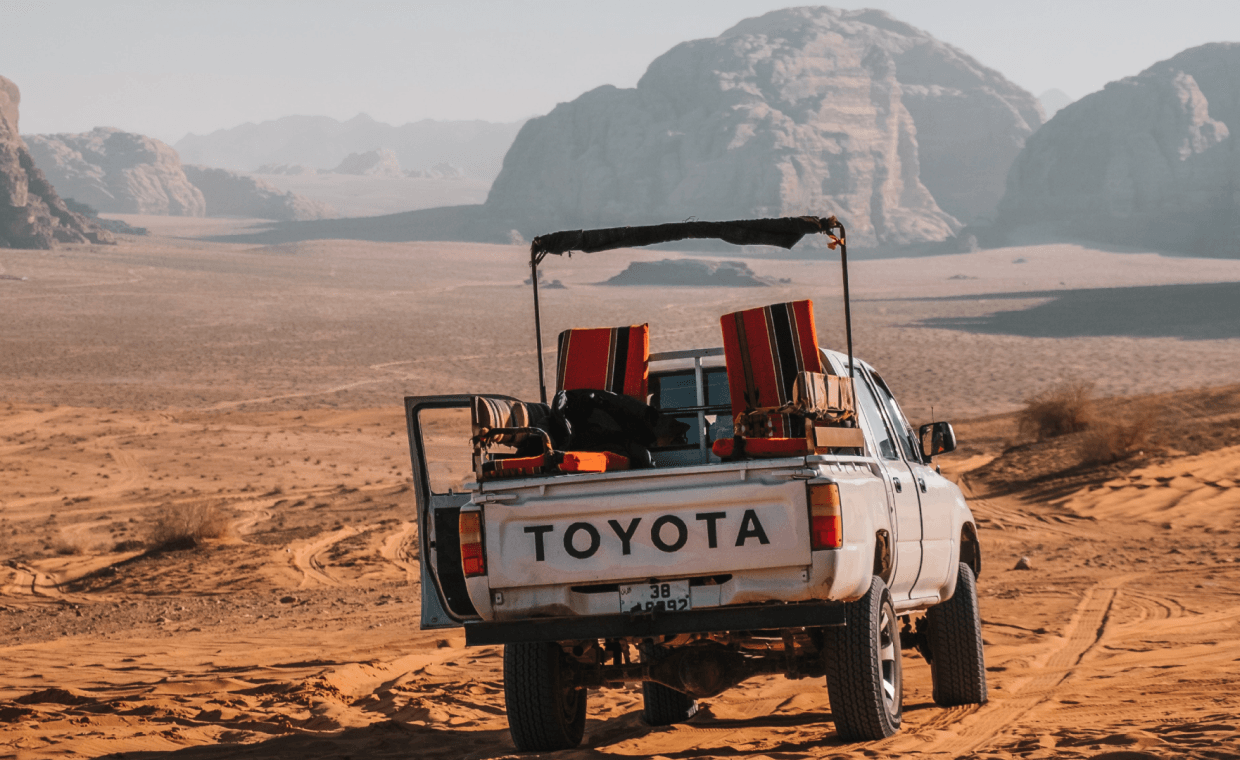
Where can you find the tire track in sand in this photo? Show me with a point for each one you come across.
(400, 548)
(1082, 634)
(305, 558)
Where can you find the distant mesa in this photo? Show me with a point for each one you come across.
(803, 110)
(690, 272)
(32, 214)
(546, 284)
(229, 193)
(372, 163)
(1149, 161)
(383, 163)
(118, 172)
(442, 170)
(286, 170)
(322, 143)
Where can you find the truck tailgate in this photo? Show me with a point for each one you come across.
(606, 529)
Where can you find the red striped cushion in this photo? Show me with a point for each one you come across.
(615, 359)
(726, 448)
(593, 461)
(765, 349)
(516, 467)
(545, 464)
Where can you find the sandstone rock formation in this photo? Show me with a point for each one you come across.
(691, 272)
(32, 215)
(1150, 160)
(117, 172)
(803, 110)
(229, 193)
(372, 163)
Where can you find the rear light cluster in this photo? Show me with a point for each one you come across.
(824, 516)
(473, 558)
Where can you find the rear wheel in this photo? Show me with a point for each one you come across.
(663, 705)
(864, 676)
(954, 641)
(544, 714)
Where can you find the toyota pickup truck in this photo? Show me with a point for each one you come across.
(806, 533)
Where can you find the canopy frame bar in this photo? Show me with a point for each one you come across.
(784, 232)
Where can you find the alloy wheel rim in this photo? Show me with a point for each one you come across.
(888, 658)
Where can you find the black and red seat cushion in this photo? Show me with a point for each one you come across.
(765, 349)
(615, 359)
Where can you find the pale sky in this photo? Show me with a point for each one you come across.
(169, 67)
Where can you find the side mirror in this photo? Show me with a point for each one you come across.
(937, 438)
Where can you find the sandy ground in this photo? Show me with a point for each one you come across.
(176, 322)
(265, 384)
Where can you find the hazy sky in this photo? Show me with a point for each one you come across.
(169, 67)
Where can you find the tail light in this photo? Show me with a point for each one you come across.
(473, 557)
(824, 516)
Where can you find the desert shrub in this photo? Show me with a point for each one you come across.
(1112, 440)
(1065, 408)
(69, 546)
(187, 525)
(129, 545)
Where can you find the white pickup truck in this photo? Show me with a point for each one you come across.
(700, 572)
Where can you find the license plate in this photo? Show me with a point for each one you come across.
(666, 596)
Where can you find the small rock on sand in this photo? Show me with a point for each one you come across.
(1023, 564)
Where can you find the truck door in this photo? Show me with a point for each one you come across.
(937, 501)
(439, 432)
(900, 489)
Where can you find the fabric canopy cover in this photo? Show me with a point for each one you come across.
(784, 232)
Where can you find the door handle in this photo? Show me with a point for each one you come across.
(896, 481)
(922, 482)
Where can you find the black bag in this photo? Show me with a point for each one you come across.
(603, 421)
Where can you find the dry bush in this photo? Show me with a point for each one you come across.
(1112, 440)
(1065, 408)
(187, 525)
(70, 546)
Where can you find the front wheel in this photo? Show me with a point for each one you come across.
(954, 643)
(864, 676)
(544, 713)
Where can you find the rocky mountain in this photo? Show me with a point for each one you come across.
(229, 193)
(118, 172)
(321, 142)
(803, 110)
(32, 215)
(126, 173)
(1150, 160)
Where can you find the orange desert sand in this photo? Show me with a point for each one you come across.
(266, 383)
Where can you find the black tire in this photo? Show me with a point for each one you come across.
(954, 641)
(864, 673)
(663, 705)
(544, 715)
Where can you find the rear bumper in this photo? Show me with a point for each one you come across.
(732, 618)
